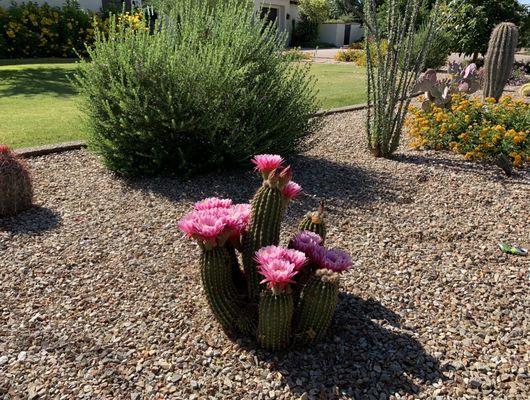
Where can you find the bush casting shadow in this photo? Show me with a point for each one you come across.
(359, 359)
(340, 185)
(51, 81)
(33, 221)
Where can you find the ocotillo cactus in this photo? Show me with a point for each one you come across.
(317, 306)
(499, 59)
(16, 192)
(314, 222)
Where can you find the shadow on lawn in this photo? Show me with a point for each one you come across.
(360, 358)
(340, 185)
(33, 221)
(52, 81)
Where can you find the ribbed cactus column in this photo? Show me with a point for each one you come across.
(317, 306)
(16, 193)
(267, 209)
(499, 59)
(314, 222)
(216, 274)
(275, 315)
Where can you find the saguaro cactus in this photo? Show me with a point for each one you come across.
(499, 59)
(16, 192)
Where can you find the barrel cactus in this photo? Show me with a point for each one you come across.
(499, 59)
(16, 192)
(281, 296)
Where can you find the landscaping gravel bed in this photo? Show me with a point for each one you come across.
(100, 296)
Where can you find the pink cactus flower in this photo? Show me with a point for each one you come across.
(277, 274)
(266, 163)
(305, 241)
(237, 218)
(208, 225)
(213, 202)
(295, 257)
(291, 190)
(269, 253)
(215, 220)
(186, 224)
(335, 260)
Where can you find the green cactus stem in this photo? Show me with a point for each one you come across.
(314, 222)
(317, 306)
(267, 211)
(499, 59)
(221, 292)
(275, 316)
(237, 275)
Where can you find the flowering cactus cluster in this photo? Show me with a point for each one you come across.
(16, 192)
(280, 296)
(440, 92)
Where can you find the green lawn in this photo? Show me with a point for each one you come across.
(340, 85)
(38, 103)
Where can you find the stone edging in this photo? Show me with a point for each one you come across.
(50, 149)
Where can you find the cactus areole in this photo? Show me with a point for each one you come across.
(499, 59)
(279, 296)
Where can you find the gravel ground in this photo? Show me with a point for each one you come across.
(100, 296)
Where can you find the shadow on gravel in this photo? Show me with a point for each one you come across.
(340, 185)
(360, 359)
(488, 171)
(33, 221)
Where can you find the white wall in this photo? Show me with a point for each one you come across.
(93, 5)
(334, 33)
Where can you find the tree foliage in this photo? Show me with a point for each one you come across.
(316, 11)
(472, 21)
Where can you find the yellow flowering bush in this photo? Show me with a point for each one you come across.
(479, 130)
(33, 30)
(358, 56)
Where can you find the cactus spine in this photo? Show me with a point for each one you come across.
(16, 192)
(267, 210)
(275, 315)
(222, 295)
(499, 59)
(317, 306)
(314, 222)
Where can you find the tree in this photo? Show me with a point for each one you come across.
(316, 11)
(472, 21)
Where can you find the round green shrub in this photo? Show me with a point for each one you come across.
(209, 88)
